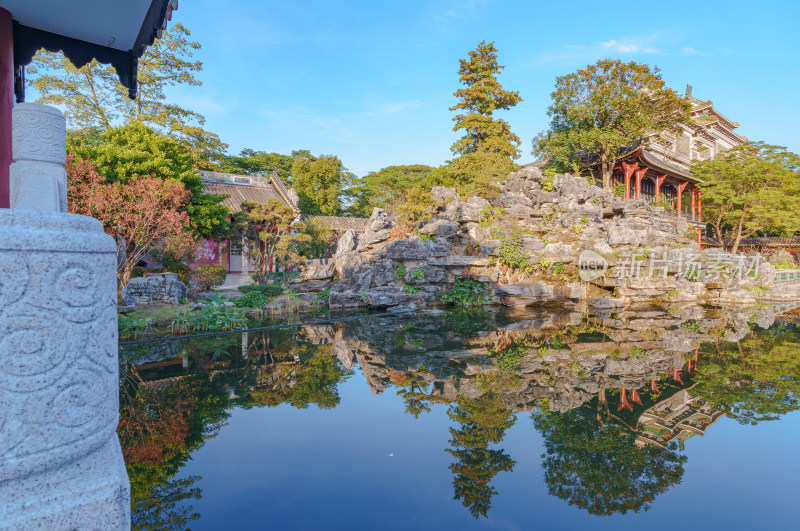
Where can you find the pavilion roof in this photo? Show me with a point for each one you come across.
(110, 31)
(242, 188)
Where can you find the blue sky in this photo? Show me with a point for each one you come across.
(372, 82)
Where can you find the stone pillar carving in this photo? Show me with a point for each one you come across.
(61, 465)
(39, 149)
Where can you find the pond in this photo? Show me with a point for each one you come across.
(651, 417)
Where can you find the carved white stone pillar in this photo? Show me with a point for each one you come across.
(61, 465)
(39, 149)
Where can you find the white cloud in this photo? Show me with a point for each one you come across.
(658, 43)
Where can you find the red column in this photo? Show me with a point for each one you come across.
(699, 205)
(628, 168)
(639, 174)
(681, 188)
(659, 182)
(694, 198)
(6, 102)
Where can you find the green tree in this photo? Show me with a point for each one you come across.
(121, 153)
(319, 183)
(488, 147)
(251, 162)
(266, 229)
(483, 421)
(751, 188)
(603, 108)
(318, 241)
(93, 97)
(387, 188)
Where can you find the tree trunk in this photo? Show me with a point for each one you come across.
(607, 169)
(738, 238)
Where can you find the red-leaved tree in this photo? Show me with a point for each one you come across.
(144, 214)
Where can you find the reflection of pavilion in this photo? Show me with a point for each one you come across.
(678, 417)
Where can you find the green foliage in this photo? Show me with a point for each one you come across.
(693, 275)
(488, 147)
(558, 267)
(324, 295)
(411, 290)
(692, 326)
(418, 274)
(400, 271)
(603, 108)
(313, 239)
(205, 276)
(319, 182)
(427, 237)
(252, 162)
(266, 228)
(93, 97)
(268, 290)
(753, 380)
(510, 253)
(252, 299)
(388, 188)
(511, 353)
(130, 327)
(214, 316)
(547, 184)
(592, 461)
(121, 153)
(749, 189)
(482, 421)
(467, 292)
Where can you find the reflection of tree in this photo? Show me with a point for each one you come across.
(318, 378)
(314, 380)
(754, 380)
(592, 462)
(414, 392)
(164, 507)
(161, 423)
(483, 421)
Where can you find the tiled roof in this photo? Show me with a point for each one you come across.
(243, 188)
(239, 193)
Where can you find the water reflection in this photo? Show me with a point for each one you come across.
(614, 395)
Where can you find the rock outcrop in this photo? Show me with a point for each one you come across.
(163, 287)
(526, 246)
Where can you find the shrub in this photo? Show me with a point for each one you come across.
(252, 299)
(510, 253)
(400, 272)
(418, 274)
(267, 290)
(205, 276)
(324, 295)
(466, 292)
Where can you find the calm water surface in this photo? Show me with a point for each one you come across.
(651, 418)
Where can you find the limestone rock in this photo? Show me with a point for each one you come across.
(443, 195)
(440, 228)
(415, 248)
(347, 243)
(317, 269)
(164, 287)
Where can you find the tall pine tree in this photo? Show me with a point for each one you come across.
(488, 147)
